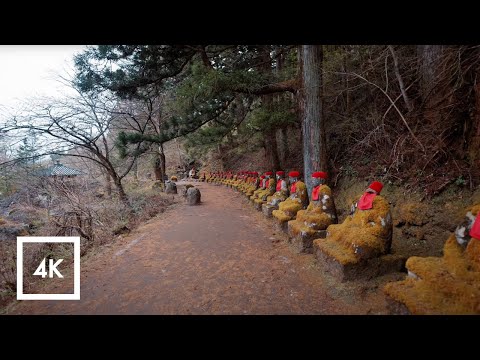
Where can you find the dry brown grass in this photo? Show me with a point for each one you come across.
(97, 220)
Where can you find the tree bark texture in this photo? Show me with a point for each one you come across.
(313, 127)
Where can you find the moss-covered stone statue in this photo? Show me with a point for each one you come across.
(269, 190)
(298, 200)
(263, 186)
(237, 181)
(354, 248)
(280, 195)
(312, 223)
(249, 182)
(443, 285)
(253, 184)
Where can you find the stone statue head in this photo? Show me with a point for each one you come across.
(293, 176)
(319, 178)
(375, 187)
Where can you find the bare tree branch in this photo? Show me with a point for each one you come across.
(399, 78)
(392, 102)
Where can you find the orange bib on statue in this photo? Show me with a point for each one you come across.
(315, 192)
(366, 201)
(475, 230)
(279, 185)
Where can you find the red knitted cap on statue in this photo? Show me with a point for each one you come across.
(281, 173)
(377, 186)
(262, 177)
(254, 173)
(294, 174)
(319, 174)
(269, 173)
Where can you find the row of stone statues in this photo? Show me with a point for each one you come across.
(305, 221)
(361, 245)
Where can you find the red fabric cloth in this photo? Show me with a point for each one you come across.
(366, 201)
(279, 185)
(319, 174)
(293, 188)
(475, 230)
(315, 192)
(377, 186)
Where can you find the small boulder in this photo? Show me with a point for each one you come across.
(171, 188)
(185, 189)
(193, 196)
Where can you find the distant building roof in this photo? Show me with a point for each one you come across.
(59, 170)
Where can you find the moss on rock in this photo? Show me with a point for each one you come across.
(318, 215)
(365, 234)
(288, 209)
(413, 213)
(442, 285)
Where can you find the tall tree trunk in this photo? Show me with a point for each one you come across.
(429, 58)
(346, 85)
(108, 184)
(135, 171)
(285, 148)
(271, 146)
(160, 164)
(121, 192)
(220, 161)
(299, 96)
(474, 141)
(270, 137)
(314, 139)
(272, 150)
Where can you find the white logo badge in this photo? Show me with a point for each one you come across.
(52, 266)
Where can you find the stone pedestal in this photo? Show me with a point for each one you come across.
(280, 225)
(267, 210)
(364, 269)
(303, 240)
(258, 205)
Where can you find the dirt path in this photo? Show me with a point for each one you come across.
(221, 257)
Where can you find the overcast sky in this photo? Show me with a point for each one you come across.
(27, 70)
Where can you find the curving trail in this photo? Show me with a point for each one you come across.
(221, 257)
